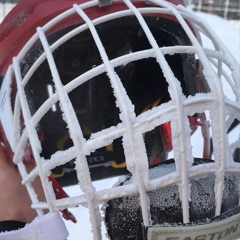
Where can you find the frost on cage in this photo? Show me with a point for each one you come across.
(154, 95)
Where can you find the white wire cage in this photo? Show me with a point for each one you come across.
(219, 69)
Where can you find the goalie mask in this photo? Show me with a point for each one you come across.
(107, 88)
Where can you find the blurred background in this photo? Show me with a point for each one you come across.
(227, 9)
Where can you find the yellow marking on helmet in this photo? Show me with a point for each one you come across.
(109, 147)
(86, 131)
(121, 165)
(150, 106)
(146, 108)
(61, 142)
(144, 135)
(58, 175)
(156, 103)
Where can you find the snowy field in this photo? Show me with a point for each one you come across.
(229, 33)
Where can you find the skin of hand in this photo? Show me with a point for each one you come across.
(15, 203)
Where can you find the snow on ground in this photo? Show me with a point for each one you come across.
(229, 33)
